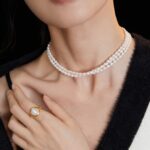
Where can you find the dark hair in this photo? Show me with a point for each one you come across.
(20, 30)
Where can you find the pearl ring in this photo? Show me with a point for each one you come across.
(35, 111)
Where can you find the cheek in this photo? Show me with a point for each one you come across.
(65, 15)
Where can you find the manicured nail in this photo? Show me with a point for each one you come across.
(45, 97)
(14, 87)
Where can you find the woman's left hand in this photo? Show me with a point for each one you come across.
(53, 130)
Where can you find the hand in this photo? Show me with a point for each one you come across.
(53, 130)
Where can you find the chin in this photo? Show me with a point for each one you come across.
(65, 13)
(69, 20)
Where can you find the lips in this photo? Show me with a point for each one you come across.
(61, 1)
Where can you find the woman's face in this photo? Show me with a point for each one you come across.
(65, 13)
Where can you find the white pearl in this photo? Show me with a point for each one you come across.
(108, 63)
(35, 111)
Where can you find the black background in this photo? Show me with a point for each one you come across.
(134, 15)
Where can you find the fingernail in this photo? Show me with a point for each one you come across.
(45, 97)
(14, 87)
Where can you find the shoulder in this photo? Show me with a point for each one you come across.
(142, 43)
(17, 69)
(17, 75)
(141, 66)
(19, 61)
(142, 54)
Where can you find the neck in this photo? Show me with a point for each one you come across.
(85, 46)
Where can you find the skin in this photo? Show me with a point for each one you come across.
(48, 125)
(83, 36)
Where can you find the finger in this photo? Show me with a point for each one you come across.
(11, 101)
(57, 110)
(24, 102)
(19, 141)
(27, 104)
(16, 127)
(18, 112)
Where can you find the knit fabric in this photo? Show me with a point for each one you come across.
(129, 109)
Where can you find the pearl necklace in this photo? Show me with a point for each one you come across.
(107, 63)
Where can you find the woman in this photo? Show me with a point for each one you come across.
(87, 90)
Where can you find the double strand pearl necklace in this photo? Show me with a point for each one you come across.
(107, 63)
